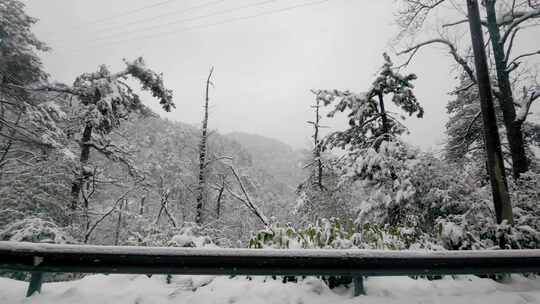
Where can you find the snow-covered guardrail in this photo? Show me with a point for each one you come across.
(40, 258)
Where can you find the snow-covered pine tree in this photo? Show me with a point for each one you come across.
(369, 121)
(105, 99)
(375, 157)
(24, 116)
(31, 137)
(19, 63)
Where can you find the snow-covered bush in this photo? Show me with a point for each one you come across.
(152, 235)
(414, 200)
(476, 228)
(35, 230)
(324, 233)
(385, 177)
(190, 235)
(332, 234)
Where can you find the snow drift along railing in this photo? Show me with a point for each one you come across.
(40, 258)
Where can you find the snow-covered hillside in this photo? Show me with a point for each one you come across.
(139, 289)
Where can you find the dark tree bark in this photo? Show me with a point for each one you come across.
(495, 163)
(506, 100)
(141, 207)
(81, 175)
(220, 196)
(119, 222)
(317, 144)
(383, 114)
(8, 145)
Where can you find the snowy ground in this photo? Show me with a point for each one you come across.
(137, 289)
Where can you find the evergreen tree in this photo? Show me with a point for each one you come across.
(104, 101)
(376, 158)
(369, 121)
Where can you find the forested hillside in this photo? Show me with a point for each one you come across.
(277, 158)
(159, 162)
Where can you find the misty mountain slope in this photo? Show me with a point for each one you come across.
(166, 152)
(274, 156)
(169, 151)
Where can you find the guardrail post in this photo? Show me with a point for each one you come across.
(35, 283)
(358, 286)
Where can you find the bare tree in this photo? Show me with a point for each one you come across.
(165, 209)
(317, 148)
(220, 196)
(92, 227)
(245, 198)
(202, 154)
(505, 20)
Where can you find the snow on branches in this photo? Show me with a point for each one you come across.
(369, 122)
(108, 99)
(18, 61)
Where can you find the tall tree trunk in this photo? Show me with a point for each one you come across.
(386, 135)
(495, 163)
(317, 144)
(220, 195)
(506, 100)
(202, 156)
(383, 114)
(2, 113)
(80, 176)
(8, 145)
(141, 206)
(119, 222)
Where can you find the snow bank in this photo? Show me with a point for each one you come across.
(124, 289)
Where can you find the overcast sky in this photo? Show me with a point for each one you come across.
(265, 64)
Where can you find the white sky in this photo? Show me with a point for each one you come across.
(264, 66)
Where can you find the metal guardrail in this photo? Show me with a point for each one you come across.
(41, 258)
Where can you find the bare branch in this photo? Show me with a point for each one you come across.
(247, 200)
(517, 19)
(217, 159)
(511, 44)
(453, 51)
(89, 232)
(515, 60)
(416, 12)
(455, 23)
